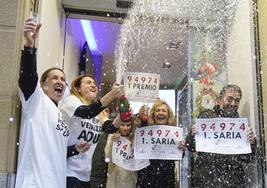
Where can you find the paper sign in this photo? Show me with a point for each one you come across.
(222, 136)
(141, 87)
(123, 156)
(158, 142)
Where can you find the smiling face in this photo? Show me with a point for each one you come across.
(161, 115)
(230, 101)
(54, 85)
(125, 128)
(88, 89)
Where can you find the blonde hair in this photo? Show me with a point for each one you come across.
(75, 85)
(157, 103)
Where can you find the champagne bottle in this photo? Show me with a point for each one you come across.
(124, 108)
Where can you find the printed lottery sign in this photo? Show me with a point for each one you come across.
(142, 87)
(222, 136)
(158, 142)
(123, 156)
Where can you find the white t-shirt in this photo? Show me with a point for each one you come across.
(81, 130)
(43, 143)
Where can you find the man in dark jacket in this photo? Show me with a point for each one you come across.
(218, 170)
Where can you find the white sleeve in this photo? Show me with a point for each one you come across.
(69, 106)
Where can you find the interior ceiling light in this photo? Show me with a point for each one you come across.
(166, 65)
(173, 45)
(89, 34)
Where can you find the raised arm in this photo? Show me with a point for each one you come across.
(89, 111)
(28, 77)
(116, 92)
(92, 110)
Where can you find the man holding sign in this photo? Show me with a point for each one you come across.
(215, 169)
(160, 173)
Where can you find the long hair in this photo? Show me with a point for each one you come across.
(158, 102)
(75, 85)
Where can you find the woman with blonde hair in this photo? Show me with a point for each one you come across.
(79, 111)
(160, 172)
(153, 119)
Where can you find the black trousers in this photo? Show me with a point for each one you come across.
(73, 182)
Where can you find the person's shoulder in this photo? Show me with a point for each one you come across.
(207, 114)
(70, 101)
(71, 98)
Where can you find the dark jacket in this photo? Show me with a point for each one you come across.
(217, 170)
(160, 173)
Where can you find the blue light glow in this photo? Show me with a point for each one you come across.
(89, 35)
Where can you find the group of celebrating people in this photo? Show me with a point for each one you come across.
(58, 138)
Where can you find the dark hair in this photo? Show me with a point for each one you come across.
(78, 80)
(228, 87)
(75, 85)
(44, 75)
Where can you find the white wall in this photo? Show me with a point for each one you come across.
(73, 46)
(241, 71)
(50, 40)
(240, 59)
(54, 50)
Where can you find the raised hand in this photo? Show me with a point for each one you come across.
(143, 112)
(31, 30)
(117, 90)
(251, 136)
(117, 121)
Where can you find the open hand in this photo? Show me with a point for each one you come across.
(31, 30)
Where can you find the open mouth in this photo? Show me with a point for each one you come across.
(161, 117)
(93, 90)
(59, 89)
